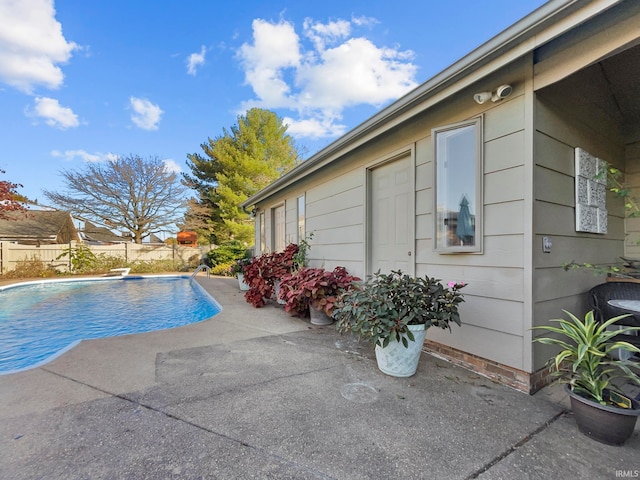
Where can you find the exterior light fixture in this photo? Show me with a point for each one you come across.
(502, 92)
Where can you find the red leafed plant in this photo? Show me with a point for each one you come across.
(8, 195)
(314, 288)
(263, 271)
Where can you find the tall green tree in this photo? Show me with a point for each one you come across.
(235, 165)
(131, 194)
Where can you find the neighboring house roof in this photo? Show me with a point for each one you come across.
(38, 226)
(548, 22)
(95, 234)
(153, 238)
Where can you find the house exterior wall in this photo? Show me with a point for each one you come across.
(569, 113)
(493, 313)
(558, 131)
(529, 191)
(632, 170)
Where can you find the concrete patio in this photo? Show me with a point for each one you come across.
(254, 393)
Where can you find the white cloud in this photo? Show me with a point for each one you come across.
(83, 155)
(172, 166)
(55, 115)
(195, 60)
(275, 48)
(145, 115)
(322, 34)
(335, 71)
(32, 45)
(314, 128)
(363, 21)
(355, 72)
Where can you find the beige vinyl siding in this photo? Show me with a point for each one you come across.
(632, 168)
(559, 129)
(335, 215)
(495, 345)
(493, 313)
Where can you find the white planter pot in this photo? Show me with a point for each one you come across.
(243, 285)
(318, 317)
(398, 361)
(276, 289)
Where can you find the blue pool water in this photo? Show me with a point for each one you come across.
(41, 320)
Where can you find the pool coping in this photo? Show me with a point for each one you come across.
(75, 343)
(128, 362)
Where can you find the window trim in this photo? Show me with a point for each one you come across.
(274, 228)
(262, 233)
(476, 122)
(301, 219)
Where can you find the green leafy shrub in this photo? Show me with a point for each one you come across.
(98, 265)
(83, 260)
(156, 266)
(31, 268)
(300, 259)
(226, 253)
(193, 260)
(223, 269)
(105, 262)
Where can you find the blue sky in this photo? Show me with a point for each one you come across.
(87, 80)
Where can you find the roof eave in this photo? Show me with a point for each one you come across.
(517, 33)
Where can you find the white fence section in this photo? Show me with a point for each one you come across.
(55, 255)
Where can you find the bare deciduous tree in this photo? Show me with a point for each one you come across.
(130, 193)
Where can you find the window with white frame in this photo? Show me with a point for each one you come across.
(301, 218)
(458, 187)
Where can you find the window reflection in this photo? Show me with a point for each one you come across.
(457, 195)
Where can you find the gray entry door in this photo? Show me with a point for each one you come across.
(391, 217)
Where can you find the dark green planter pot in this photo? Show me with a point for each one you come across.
(610, 425)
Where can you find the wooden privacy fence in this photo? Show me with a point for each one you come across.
(55, 255)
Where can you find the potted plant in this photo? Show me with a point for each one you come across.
(395, 310)
(314, 290)
(264, 271)
(585, 362)
(237, 270)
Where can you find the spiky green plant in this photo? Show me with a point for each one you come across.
(585, 360)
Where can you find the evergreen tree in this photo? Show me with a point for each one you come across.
(236, 165)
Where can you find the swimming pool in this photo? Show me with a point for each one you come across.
(41, 320)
